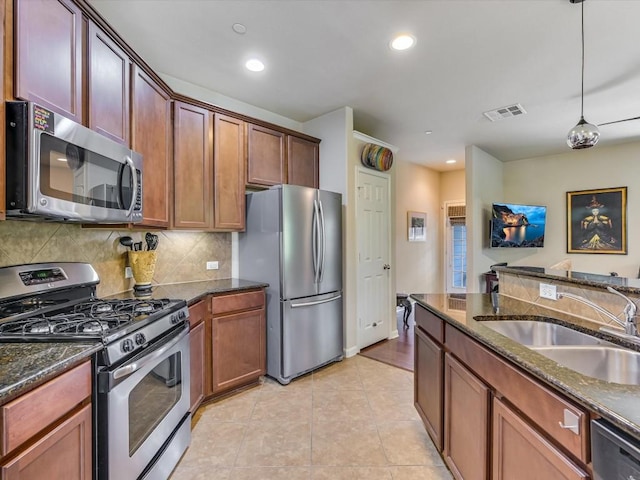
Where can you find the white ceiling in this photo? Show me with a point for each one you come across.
(471, 56)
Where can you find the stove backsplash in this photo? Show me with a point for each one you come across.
(181, 255)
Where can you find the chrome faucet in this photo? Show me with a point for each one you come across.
(629, 324)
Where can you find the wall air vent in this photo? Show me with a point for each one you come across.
(505, 112)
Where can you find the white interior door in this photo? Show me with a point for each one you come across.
(373, 225)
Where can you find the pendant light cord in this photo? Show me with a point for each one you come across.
(582, 79)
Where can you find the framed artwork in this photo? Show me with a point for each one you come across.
(597, 221)
(417, 222)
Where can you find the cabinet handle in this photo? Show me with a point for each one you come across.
(570, 422)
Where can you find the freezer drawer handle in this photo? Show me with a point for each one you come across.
(309, 304)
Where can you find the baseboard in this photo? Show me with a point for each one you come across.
(351, 352)
(394, 334)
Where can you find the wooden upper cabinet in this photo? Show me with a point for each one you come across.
(229, 156)
(193, 192)
(109, 70)
(48, 63)
(303, 158)
(266, 156)
(151, 135)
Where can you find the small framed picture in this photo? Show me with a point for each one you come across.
(417, 222)
(597, 221)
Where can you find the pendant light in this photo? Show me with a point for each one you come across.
(584, 134)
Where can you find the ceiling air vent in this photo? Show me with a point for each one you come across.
(505, 112)
(454, 211)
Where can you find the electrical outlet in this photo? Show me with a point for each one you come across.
(127, 272)
(212, 265)
(548, 291)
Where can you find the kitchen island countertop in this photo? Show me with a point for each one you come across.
(616, 402)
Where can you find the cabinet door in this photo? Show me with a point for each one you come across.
(428, 384)
(466, 422)
(151, 135)
(48, 64)
(265, 161)
(193, 196)
(109, 68)
(65, 452)
(196, 342)
(238, 349)
(302, 162)
(228, 172)
(521, 452)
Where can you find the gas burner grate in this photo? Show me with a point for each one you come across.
(76, 324)
(102, 308)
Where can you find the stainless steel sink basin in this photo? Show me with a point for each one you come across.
(608, 363)
(534, 333)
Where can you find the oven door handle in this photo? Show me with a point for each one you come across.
(135, 366)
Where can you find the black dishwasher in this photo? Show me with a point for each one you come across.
(615, 454)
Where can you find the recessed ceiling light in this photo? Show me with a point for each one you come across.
(239, 28)
(451, 160)
(403, 42)
(254, 65)
(428, 132)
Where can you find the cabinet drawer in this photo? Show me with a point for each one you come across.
(430, 323)
(237, 301)
(25, 416)
(197, 313)
(541, 405)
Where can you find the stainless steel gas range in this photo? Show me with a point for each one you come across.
(141, 382)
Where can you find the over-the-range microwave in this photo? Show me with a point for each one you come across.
(60, 170)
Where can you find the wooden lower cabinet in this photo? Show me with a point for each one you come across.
(466, 422)
(519, 451)
(47, 432)
(236, 341)
(64, 453)
(428, 384)
(196, 344)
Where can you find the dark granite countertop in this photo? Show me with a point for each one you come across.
(23, 366)
(615, 402)
(195, 291)
(622, 284)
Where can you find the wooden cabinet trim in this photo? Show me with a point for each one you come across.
(197, 370)
(28, 414)
(541, 405)
(198, 312)
(76, 431)
(503, 418)
(236, 302)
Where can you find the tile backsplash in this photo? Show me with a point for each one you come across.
(182, 256)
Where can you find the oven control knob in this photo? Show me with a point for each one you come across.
(182, 315)
(140, 339)
(127, 345)
(175, 318)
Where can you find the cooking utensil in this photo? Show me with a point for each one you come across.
(126, 242)
(154, 242)
(137, 247)
(148, 237)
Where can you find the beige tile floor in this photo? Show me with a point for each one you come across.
(351, 420)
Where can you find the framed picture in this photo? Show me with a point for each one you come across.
(597, 221)
(417, 222)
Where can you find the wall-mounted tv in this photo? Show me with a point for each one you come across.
(517, 226)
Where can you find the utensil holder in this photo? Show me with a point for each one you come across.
(143, 264)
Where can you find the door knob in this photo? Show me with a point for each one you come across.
(386, 266)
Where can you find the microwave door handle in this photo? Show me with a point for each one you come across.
(134, 191)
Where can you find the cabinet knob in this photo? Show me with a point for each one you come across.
(386, 266)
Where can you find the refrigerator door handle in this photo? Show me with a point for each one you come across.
(323, 244)
(314, 240)
(310, 304)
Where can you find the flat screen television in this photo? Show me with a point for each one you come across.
(517, 226)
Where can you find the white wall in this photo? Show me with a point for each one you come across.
(452, 186)
(418, 265)
(484, 185)
(545, 181)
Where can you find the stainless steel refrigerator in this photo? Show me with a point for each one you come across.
(293, 242)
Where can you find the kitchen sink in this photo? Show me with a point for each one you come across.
(532, 333)
(608, 363)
